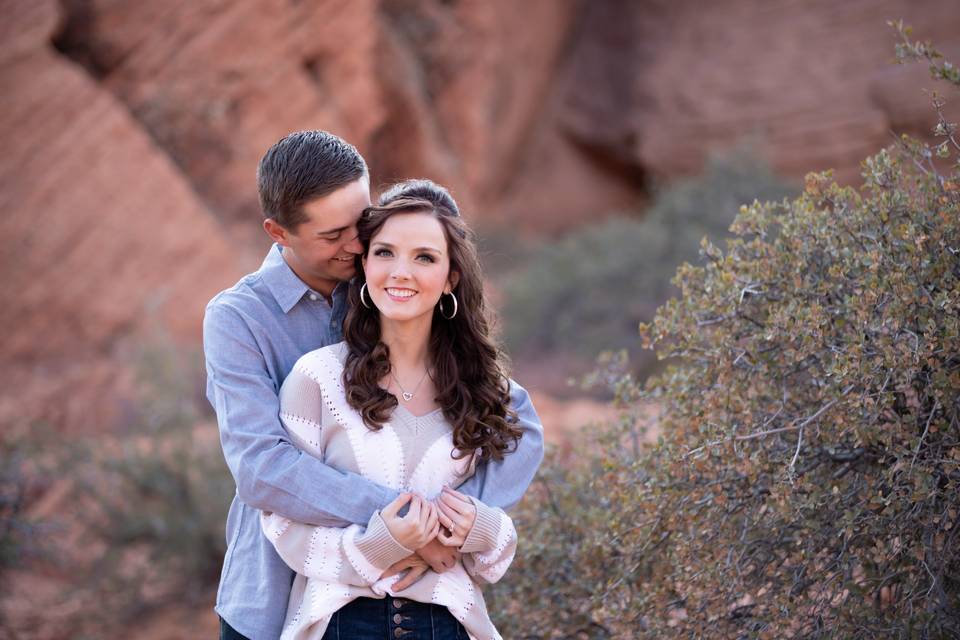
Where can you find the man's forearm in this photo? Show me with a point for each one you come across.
(502, 483)
(273, 481)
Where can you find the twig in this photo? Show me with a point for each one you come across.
(936, 406)
(760, 434)
(705, 323)
(796, 453)
(807, 421)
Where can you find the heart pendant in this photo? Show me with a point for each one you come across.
(406, 396)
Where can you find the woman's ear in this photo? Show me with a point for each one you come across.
(453, 280)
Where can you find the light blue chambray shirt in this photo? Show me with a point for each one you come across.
(253, 334)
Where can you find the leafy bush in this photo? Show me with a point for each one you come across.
(159, 516)
(21, 537)
(551, 583)
(587, 292)
(154, 502)
(806, 483)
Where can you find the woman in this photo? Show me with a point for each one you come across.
(412, 398)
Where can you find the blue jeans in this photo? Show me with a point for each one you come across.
(392, 618)
(229, 633)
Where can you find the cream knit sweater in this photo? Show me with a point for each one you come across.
(409, 453)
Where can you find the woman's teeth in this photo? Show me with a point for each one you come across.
(401, 293)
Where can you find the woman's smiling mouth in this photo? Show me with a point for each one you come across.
(400, 294)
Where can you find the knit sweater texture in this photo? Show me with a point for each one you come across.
(410, 453)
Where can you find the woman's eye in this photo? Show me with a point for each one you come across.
(425, 257)
(382, 253)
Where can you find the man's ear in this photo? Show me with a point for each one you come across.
(453, 279)
(276, 231)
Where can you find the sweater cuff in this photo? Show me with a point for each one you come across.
(483, 534)
(378, 546)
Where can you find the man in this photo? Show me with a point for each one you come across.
(313, 188)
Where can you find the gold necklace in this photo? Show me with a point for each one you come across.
(408, 395)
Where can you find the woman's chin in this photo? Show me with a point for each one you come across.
(394, 314)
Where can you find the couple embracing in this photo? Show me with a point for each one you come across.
(364, 413)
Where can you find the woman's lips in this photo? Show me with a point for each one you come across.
(400, 295)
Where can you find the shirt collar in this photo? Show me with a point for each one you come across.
(283, 283)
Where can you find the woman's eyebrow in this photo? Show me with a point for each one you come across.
(387, 245)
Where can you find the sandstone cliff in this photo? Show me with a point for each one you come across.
(104, 238)
(132, 132)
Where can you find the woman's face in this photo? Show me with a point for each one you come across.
(408, 266)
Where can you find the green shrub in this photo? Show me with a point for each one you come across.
(160, 510)
(153, 502)
(21, 537)
(550, 585)
(587, 292)
(806, 483)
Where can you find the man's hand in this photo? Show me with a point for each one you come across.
(414, 565)
(438, 556)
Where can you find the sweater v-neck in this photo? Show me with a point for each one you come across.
(410, 414)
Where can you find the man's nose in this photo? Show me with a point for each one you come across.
(354, 245)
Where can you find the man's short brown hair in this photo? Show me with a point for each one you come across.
(302, 167)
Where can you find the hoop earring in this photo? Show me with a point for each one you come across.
(440, 304)
(362, 301)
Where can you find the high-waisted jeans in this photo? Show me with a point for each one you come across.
(392, 619)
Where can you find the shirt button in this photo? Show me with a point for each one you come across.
(397, 618)
(313, 297)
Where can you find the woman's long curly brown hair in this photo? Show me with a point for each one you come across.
(468, 369)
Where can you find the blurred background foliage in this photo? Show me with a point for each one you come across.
(806, 479)
(587, 291)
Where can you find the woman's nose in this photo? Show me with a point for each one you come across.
(401, 270)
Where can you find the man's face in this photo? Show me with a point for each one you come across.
(322, 249)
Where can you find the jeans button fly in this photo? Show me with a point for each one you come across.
(397, 604)
(398, 632)
(397, 618)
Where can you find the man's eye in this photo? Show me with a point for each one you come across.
(331, 238)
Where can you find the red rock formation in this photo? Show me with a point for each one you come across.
(540, 119)
(421, 87)
(659, 86)
(104, 238)
(133, 130)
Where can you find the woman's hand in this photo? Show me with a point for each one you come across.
(415, 529)
(457, 514)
